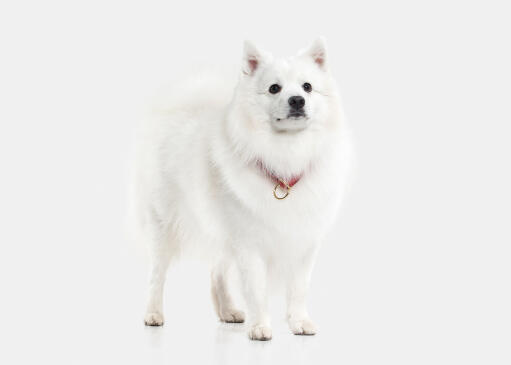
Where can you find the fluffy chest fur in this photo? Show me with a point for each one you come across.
(212, 196)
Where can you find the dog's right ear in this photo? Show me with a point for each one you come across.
(253, 58)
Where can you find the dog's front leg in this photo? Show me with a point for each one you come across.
(253, 272)
(297, 290)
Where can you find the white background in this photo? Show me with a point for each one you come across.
(416, 270)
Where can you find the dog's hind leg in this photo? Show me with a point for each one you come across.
(162, 249)
(222, 299)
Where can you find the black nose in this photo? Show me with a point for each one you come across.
(296, 102)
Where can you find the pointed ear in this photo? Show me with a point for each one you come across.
(253, 58)
(317, 51)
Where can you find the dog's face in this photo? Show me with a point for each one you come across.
(289, 95)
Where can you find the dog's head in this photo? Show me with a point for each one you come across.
(287, 94)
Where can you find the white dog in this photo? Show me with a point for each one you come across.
(252, 177)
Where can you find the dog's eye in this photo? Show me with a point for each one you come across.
(275, 88)
(307, 87)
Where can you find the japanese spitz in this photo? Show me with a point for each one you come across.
(251, 174)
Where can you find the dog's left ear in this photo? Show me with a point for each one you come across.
(317, 51)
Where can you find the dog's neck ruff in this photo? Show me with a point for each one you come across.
(283, 184)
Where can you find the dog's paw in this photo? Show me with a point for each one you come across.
(153, 319)
(302, 327)
(260, 332)
(232, 316)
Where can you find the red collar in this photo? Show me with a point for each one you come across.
(278, 180)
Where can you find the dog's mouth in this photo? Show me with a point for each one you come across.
(294, 122)
(294, 116)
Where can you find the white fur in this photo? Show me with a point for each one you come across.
(198, 183)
